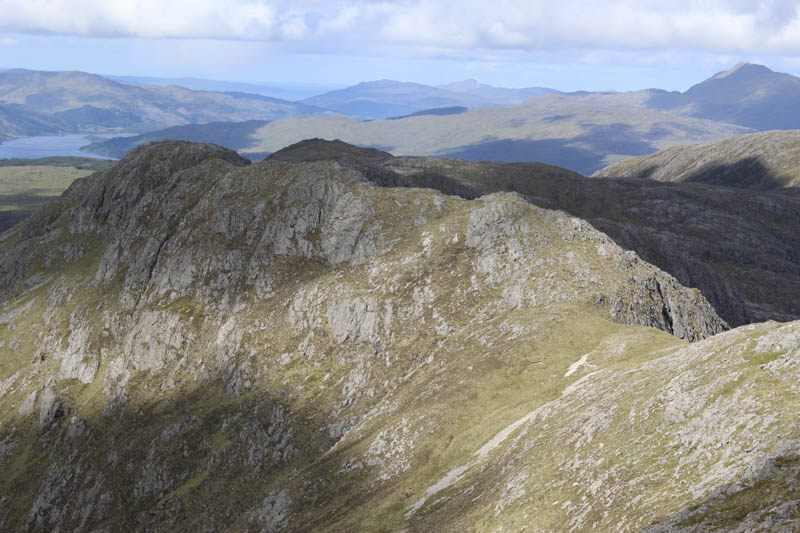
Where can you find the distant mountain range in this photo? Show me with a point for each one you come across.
(581, 132)
(36, 103)
(749, 95)
(284, 91)
(387, 98)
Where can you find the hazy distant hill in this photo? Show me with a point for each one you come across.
(387, 98)
(15, 122)
(581, 132)
(749, 95)
(284, 91)
(762, 161)
(77, 101)
(234, 135)
(496, 95)
(455, 110)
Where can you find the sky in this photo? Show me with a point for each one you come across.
(568, 45)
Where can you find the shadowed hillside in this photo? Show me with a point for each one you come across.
(761, 161)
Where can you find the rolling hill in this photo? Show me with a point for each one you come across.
(583, 132)
(760, 161)
(233, 135)
(388, 98)
(36, 103)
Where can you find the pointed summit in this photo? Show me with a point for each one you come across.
(742, 69)
(748, 95)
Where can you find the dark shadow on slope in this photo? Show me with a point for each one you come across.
(558, 152)
(23, 204)
(646, 173)
(9, 219)
(236, 449)
(618, 138)
(584, 153)
(745, 173)
(554, 118)
(438, 111)
(772, 501)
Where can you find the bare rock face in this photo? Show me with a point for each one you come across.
(738, 247)
(212, 345)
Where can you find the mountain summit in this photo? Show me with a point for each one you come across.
(749, 70)
(748, 95)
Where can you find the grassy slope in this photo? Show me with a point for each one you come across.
(760, 161)
(28, 184)
(439, 384)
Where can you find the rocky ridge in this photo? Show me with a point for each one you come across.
(737, 247)
(190, 341)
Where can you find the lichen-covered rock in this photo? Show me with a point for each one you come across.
(289, 347)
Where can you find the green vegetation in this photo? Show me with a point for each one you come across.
(80, 163)
(28, 184)
(760, 161)
(320, 356)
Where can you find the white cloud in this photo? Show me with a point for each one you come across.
(768, 26)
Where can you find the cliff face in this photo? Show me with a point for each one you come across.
(191, 341)
(738, 247)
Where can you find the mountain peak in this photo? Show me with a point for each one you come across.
(742, 69)
(322, 149)
(464, 85)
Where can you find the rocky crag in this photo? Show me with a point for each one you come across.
(738, 247)
(192, 342)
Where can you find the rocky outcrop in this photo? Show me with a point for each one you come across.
(289, 347)
(736, 247)
(675, 226)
